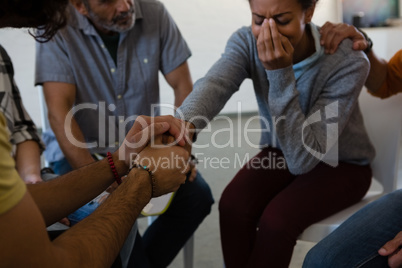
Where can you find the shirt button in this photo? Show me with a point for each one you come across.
(119, 97)
(145, 60)
(113, 70)
(121, 121)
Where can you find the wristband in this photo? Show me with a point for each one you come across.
(150, 173)
(368, 40)
(194, 159)
(113, 167)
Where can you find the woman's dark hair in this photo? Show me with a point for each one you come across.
(305, 3)
(46, 15)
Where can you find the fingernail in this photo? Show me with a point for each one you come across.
(382, 251)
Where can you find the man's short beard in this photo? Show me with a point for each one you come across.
(113, 25)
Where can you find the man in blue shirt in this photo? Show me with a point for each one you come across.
(105, 64)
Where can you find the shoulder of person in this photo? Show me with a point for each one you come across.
(151, 4)
(72, 17)
(241, 40)
(345, 49)
(398, 54)
(243, 33)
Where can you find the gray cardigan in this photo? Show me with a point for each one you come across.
(313, 104)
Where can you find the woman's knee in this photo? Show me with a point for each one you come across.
(314, 258)
(202, 195)
(230, 202)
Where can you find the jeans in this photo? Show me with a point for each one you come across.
(82, 212)
(355, 242)
(164, 238)
(61, 167)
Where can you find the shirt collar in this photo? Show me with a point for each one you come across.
(300, 67)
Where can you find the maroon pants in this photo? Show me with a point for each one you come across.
(264, 210)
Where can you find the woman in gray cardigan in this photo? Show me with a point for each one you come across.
(311, 128)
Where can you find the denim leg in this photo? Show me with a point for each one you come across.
(61, 167)
(355, 242)
(165, 237)
(128, 246)
(376, 262)
(82, 212)
(138, 257)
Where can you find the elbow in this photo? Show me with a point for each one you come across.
(57, 119)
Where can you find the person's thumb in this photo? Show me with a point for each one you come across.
(389, 248)
(153, 130)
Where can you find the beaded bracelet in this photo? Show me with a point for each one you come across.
(113, 168)
(151, 174)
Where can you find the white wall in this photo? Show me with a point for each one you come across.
(206, 25)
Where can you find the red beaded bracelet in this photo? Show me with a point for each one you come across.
(113, 168)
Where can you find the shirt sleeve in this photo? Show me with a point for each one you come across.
(12, 188)
(52, 61)
(174, 49)
(339, 94)
(24, 127)
(393, 82)
(223, 79)
(21, 126)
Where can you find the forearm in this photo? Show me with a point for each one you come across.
(211, 92)
(94, 242)
(72, 142)
(377, 74)
(107, 228)
(191, 136)
(70, 191)
(27, 160)
(180, 96)
(181, 82)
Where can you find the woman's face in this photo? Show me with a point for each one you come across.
(289, 16)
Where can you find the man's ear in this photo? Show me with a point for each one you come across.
(79, 6)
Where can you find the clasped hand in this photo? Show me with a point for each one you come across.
(146, 145)
(168, 163)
